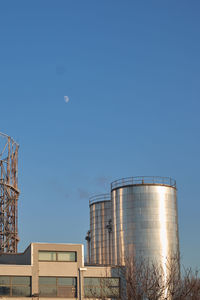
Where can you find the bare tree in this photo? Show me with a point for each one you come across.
(143, 280)
(188, 287)
(147, 280)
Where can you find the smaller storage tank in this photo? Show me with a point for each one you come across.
(100, 233)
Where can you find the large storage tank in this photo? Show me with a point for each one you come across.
(100, 235)
(144, 216)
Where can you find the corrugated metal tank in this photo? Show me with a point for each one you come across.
(100, 236)
(144, 216)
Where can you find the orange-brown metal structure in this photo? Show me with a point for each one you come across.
(8, 194)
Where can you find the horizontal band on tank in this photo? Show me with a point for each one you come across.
(143, 180)
(99, 198)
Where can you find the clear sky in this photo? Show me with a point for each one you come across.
(131, 70)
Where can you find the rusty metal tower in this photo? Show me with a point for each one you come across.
(8, 194)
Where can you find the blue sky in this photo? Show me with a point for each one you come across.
(131, 70)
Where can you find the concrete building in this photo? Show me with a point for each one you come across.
(55, 271)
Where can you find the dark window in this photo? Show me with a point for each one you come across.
(98, 287)
(17, 286)
(65, 287)
(57, 256)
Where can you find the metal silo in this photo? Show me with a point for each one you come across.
(100, 235)
(144, 216)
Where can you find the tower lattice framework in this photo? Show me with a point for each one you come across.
(8, 194)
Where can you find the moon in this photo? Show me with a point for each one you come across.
(66, 98)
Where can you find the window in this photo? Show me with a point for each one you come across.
(16, 286)
(57, 256)
(95, 287)
(64, 287)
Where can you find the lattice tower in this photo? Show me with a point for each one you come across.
(8, 194)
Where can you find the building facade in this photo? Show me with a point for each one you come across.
(55, 271)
